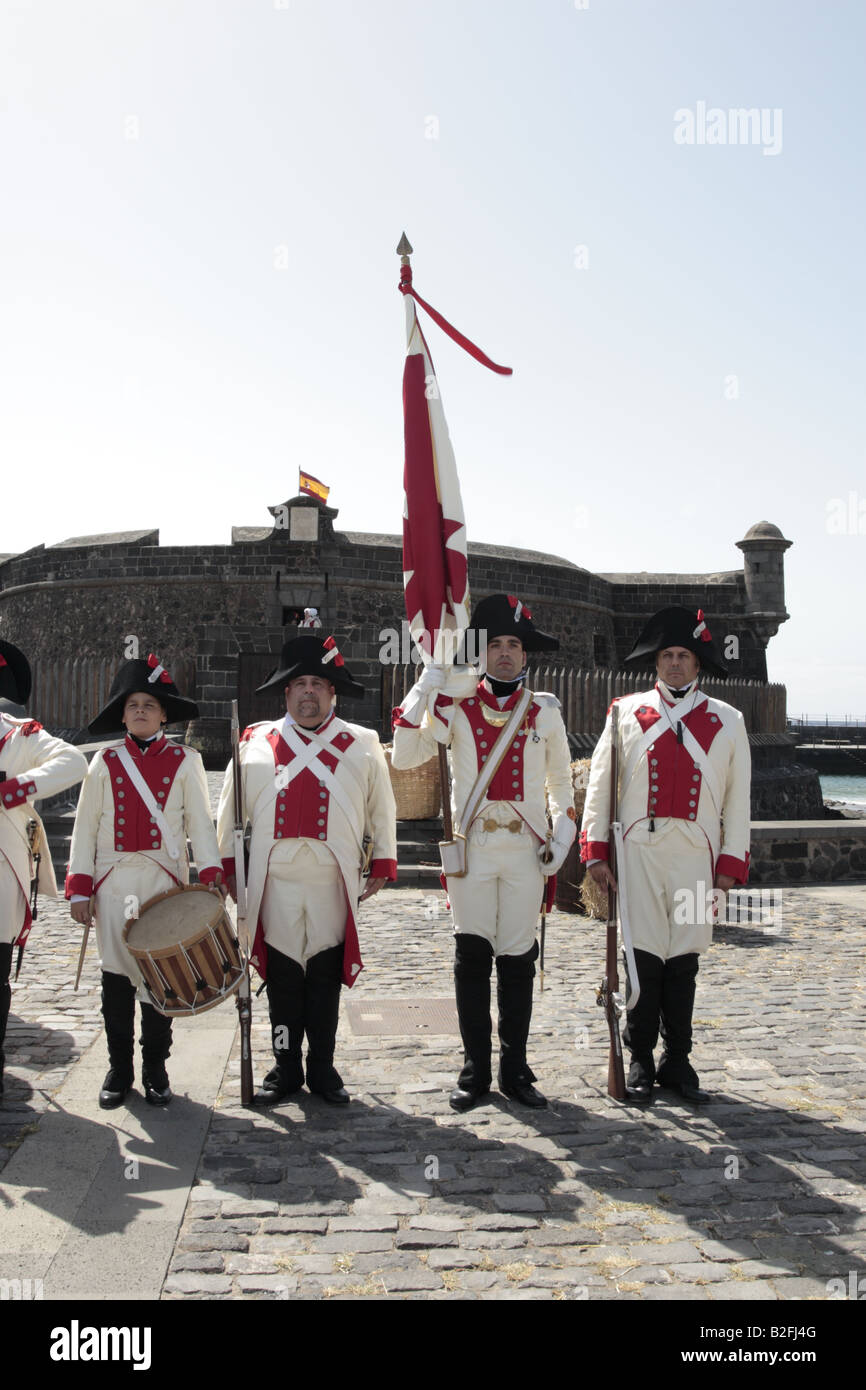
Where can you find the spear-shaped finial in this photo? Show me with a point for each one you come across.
(404, 250)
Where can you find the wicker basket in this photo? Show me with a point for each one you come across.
(416, 790)
(575, 889)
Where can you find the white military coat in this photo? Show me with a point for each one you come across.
(684, 804)
(326, 789)
(34, 765)
(118, 853)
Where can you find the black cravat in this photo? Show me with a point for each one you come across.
(143, 743)
(500, 688)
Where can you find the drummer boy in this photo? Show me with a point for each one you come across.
(140, 800)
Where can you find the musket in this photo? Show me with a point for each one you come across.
(608, 996)
(543, 919)
(36, 857)
(245, 1003)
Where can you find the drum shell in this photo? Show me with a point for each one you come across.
(197, 970)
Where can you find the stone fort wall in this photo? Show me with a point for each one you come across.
(230, 607)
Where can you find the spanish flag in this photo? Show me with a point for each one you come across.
(312, 487)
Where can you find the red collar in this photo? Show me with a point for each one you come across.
(156, 747)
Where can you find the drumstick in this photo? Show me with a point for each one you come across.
(83, 950)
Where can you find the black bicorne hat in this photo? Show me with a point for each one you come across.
(313, 656)
(677, 627)
(15, 677)
(503, 615)
(142, 678)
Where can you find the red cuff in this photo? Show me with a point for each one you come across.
(229, 867)
(16, 790)
(209, 875)
(592, 849)
(383, 868)
(737, 869)
(398, 722)
(79, 885)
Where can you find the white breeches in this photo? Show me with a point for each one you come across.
(304, 904)
(13, 904)
(500, 897)
(119, 899)
(669, 881)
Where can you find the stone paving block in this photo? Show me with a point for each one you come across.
(295, 1225)
(736, 1251)
(678, 1292)
(799, 1288)
(677, 1252)
(218, 1240)
(465, 1259)
(423, 1240)
(251, 1264)
(519, 1201)
(277, 1286)
(710, 1273)
(285, 1244)
(411, 1281)
(764, 1269)
(749, 1290)
(504, 1221)
(646, 1274)
(493, 1240)
(355, 1242)
(384, 1222)
(205, 1285)
(247, 1207)
(205, 1262)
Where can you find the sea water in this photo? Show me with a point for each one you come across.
(849, 790)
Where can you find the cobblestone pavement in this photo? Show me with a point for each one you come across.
(759, 1196)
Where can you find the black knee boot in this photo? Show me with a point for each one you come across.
(5, 1000)
(473, 962)
(514, 977)
(155, 1048)
(641, 1032)
(678, 1002)
(285, 989)
(118, 1012)
(322, 984)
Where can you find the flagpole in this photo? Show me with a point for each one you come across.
(404, 251)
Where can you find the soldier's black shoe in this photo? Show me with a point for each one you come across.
(115, 1089)
(688, 1092)
(157, 1091)
(524, 1094)
(338, 1096)
(276, 1087)
(463, 1098)
(639, 1082)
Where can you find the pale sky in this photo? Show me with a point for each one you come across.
(201, 204)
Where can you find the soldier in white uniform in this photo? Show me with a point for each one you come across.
(32, 764)
(121, 855)
(317, 793)
(510, 850)
(684, 776)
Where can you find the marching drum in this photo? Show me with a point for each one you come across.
(184, 945)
